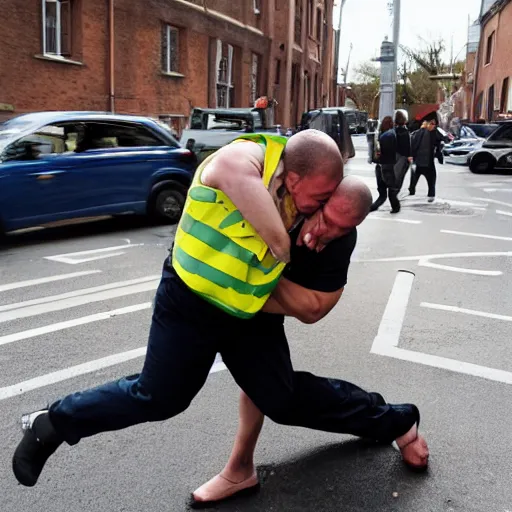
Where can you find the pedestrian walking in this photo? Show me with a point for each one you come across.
(426, 146)
(403, 149)
(385, 169)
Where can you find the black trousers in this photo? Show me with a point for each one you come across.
(430, 174)
(186, 333)
(386, 186)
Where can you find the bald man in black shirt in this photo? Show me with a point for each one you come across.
(311, 286)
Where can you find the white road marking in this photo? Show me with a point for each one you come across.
(472, 312)
(460, 270)
(81, 369)
(424, 261)
(460, 203)
(43, 280)
(394, 219)
(476, 235)
(493, 201)
(394, 314)
(77, 298)
(440, 256)
(497, 189)
(501, 212)
(386, 341)
(68, 257)
(39, 331)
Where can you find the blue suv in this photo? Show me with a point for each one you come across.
(56, 166)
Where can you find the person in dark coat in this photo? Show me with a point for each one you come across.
(404, 149)
(385, 169)
(426, 145)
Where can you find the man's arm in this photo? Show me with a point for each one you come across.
(308, 306)
(237, 171)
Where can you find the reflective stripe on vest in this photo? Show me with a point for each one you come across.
(217, 253)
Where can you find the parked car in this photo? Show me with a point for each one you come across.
(480, 129)
(496, 151)
(212, 128)
(57, 166)
(462, 149)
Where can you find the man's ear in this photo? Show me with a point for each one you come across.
(291, 180)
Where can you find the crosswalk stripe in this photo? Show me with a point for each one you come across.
(43, 280)
(82, 369)
(78, 293)
(78, 298)
(39, 331)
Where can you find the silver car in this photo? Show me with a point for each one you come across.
(462, 149)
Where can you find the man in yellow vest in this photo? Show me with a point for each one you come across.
(231, 246)
(310, 287)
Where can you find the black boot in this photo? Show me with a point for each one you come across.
(40, 440)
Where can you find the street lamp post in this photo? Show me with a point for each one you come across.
(387, 82)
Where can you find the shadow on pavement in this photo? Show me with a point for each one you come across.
(354, 476)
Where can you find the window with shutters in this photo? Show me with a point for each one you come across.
(57, 18)
(170, 49)
(225, 86)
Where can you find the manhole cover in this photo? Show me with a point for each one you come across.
(441, 209)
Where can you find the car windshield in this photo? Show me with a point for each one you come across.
(484, 130)
(10, 129)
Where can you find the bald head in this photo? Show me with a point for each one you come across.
(311, 152)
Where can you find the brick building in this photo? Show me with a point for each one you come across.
(491, 81)
(163, 57)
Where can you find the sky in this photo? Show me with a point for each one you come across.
(366, 22)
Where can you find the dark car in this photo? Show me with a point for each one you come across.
(57, 166)
(496, 151)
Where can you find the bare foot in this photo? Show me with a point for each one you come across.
(414, 449)
(220, 487)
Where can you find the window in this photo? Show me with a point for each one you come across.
(255, 71)
(113, 135)
(277, 77)
(490, 104)
(57, 27)
(257, 6)
(319, 24)
(306, 91)
(311, 11)
(170, 49)
(49, 141)
(479, 105)
(504, 96)
(298, 22)
(490, 48)
(504, 133)
(225, 87)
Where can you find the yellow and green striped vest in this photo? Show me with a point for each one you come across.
(217, 253)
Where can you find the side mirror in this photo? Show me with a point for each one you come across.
(18, 151)
(190, 144)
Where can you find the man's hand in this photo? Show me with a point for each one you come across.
(308, 233)
(308, 306)
(237, 170)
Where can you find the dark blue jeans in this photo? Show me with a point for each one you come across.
(186, 334)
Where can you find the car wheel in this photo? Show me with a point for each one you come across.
(481, 164)
(168, 204)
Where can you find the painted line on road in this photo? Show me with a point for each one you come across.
(497, 189)
(43, 280)
(473, 312)
(394, 314)
(39, 331)
(394, 219)
(493, 201)
(68, 257)
(81, 369)
(424, 261)
(476, 235)
(386, 341)
(77, 298)
(501, 212)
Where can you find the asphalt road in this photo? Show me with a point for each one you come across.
(438, 336)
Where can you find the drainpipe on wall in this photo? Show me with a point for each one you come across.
(111, 56)
(289, 57)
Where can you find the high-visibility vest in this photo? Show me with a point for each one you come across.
(217, 253)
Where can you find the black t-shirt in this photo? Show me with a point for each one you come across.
(325, 271)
